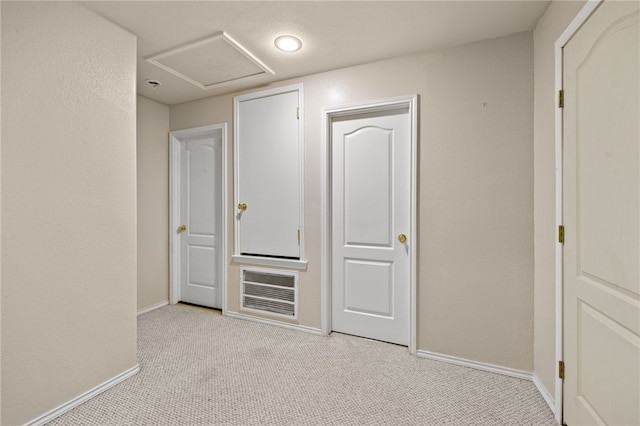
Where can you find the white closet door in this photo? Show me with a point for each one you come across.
(268, 174)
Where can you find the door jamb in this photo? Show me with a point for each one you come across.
(391, 104)
(175, 139)
(573, 27)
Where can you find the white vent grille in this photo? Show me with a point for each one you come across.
(268, 291)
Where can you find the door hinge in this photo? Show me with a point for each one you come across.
(298, 113)
(298, 235)
(561, 99)
(561, 369)
(561, 234)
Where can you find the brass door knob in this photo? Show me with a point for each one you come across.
(242, 206)
(182, 228)
(402, 238)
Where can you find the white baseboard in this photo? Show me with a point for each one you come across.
(56, 412)
(276, 323)
(153, 307)
(545, 393)
(476, 364)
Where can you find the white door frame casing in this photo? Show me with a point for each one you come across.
(410, 102)
(175, 138)
(564, 38)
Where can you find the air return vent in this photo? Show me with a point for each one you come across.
(269, 291)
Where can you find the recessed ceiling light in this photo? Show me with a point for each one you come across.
(153, 83)
(288, 43)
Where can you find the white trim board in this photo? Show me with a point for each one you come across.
(58, 411)
(410, 102)
(174, 207)
(153, 307)
(491, 368)
(573, 27)
(270, 261)
(276, 323)
(545, 393)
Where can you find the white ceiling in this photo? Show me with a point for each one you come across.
(335, 34)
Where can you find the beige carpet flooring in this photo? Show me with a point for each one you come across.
(200, 368)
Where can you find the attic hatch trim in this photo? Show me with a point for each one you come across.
(154, 59)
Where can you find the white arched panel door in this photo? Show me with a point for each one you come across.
(601, 209)
(200, 214)
(371, 219)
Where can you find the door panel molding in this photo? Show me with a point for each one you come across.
(175, 139)
(328, 115)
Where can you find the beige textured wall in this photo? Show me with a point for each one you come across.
(475, 284)
(153, 202)
(476, 218)
(557, 17)
(68, 205)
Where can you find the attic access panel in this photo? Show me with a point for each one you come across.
(211, 62)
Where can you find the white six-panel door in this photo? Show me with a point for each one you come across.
(601, 209)
(200, 213)
(371, 201)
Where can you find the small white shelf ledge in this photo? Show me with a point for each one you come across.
(270, 261)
